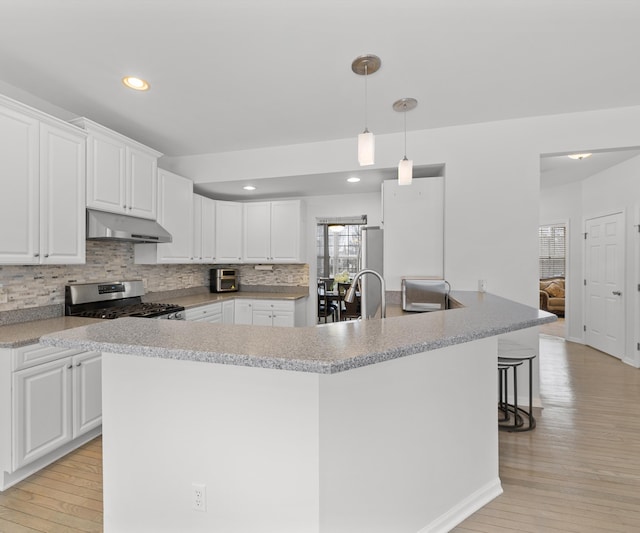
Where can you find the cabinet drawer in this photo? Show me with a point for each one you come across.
(274, 305)
(203, 312)
(36, 354)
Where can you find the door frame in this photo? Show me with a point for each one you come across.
(568, 316)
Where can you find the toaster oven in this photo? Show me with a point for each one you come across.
(223, 280)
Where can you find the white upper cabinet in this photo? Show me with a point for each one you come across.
(204, 212)
(62, 196)
(272, 231)
(42, 180)
(413, 230)
(228, 229)
(175, 214)
(121, 173)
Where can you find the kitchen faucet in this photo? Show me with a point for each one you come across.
(351, 291)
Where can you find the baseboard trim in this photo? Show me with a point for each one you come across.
(468, 506)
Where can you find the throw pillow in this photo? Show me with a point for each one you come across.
(555, 291)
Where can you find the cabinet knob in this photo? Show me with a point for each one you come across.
(36, 255)
(124, 206)
(46, 255)
(78, 364)
(70, 367)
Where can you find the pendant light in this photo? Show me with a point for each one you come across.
(405, 167)
(364, 66)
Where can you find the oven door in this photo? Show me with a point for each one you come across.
(226, 284)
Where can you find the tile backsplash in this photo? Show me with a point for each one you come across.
(28, 286)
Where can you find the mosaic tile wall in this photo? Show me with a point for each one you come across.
(35, 286)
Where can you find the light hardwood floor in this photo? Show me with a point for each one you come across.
(578, 471)
(65, 497)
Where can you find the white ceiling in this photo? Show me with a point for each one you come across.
(236, 74)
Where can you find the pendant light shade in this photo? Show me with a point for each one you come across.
(366, 148)
(405, 171)
(405, 167)
(363, 66)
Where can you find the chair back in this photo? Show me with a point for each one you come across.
(351, 309)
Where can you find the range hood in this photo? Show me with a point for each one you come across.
(103, 226)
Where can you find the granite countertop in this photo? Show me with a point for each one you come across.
(19, 334)
(322, 349)
(195, 300)
(24, 333)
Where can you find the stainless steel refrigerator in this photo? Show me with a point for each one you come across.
(371, 248)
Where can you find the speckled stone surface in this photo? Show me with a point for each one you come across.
(29, 314)
(16, 335)
(203, 296)
(322, 349)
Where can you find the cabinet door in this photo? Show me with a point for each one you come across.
(106, 173)
(243, 312)
(413, 230)
(208, 225)
(142, 184)
(62, 196)
(175, 214)
(87, 392)
(283, 319)
(285, 231)
(228, 308)
(262, 317)
(204, 211)
(228, 229)
(19, 201)
(197, 228)
(41, 410)
(257, 232)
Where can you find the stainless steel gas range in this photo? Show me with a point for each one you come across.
(115, 299)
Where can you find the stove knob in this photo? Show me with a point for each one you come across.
(170, 316)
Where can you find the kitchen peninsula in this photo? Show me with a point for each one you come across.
(376, 426)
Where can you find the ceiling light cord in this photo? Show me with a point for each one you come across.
(404, 105)
(366, 99)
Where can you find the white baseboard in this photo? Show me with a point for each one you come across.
(464, 509)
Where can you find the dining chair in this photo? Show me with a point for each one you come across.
(325, 307)
(349, 310)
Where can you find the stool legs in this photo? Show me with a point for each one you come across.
(506, 409)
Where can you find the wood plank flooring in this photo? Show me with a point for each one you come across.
(65, 497)
(578, 471)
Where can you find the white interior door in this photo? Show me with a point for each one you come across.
(604, 275)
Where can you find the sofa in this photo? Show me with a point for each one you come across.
(552, 295)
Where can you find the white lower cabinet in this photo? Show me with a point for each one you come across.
(211, 313)
(54, 402)
(228, 311)
(274, 313)
(285, 313)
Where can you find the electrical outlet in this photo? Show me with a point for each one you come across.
(199, 496)
(482, 285)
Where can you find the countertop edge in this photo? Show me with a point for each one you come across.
(491, 321)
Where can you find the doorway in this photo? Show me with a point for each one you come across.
(604, 282)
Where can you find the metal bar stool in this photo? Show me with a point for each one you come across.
(512, 355)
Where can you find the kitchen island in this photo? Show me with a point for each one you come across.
(378, 426)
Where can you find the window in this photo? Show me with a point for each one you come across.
(552, 251)
(338, 245)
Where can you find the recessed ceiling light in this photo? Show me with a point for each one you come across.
(579, 156)
(249, 188)
(137, 84)
(353, 180)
